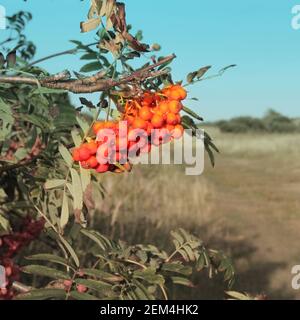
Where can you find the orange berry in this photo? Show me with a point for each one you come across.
(148, 98)
(172, 118)
(102, 168)
(178, 131)
(84, 154)
(182, 92)
(130, 120)
(92, 162)
(175, 106)
(145, 113)
(163, 107)
(177, 93)
(92, 146)
(109, 125)
(76, 154)
(157, 120)
(178, 118)
(170, 127)
(97, 126)
(139, 123)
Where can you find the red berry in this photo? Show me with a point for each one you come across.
(157, 121)
(76, 154)
(84, 154)
(102, 168)
(139, 123)
(172, 118)
(81, 288)
(92, 162)
(145, 113)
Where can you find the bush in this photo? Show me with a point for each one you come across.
(272, 122)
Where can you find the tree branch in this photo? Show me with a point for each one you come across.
(90, 84)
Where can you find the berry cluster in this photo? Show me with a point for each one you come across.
(152, 119)
(10, 245)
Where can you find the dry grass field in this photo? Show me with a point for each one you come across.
(248, 206)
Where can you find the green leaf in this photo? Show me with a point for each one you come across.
(149, 275)
(93, 66)
(210, 154)
(191, 76)
(182, 281)
(237, 295)
(66, 155)
(37, 120)
(102, 275)
(45, 272)
(97, 285)
(89, 56)
(95, 237)
(192, 113)
(71, 250)
(178, 237)
(84, 125)
(77, 190)
(177, 267)
(201, 72)
(42, 294)
(54, 183)
(85, 176)
(4, 223)
(49, 257)
(76, 138)
(64, 216)
(226, 68)
(82, 296)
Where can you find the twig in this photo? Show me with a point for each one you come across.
(70, 51)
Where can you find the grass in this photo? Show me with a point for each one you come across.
(248, 206)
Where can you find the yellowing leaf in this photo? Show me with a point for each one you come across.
(90, 24)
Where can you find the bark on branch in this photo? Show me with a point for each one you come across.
(94, 83)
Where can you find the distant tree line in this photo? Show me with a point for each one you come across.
(272, 122)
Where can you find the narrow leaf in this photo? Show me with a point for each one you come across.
(66, 155)
(64, 217)
(45, 272)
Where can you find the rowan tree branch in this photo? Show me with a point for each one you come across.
(94, 83)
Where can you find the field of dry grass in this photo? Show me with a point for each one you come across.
(248, 206)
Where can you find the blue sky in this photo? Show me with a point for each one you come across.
(254, 34)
